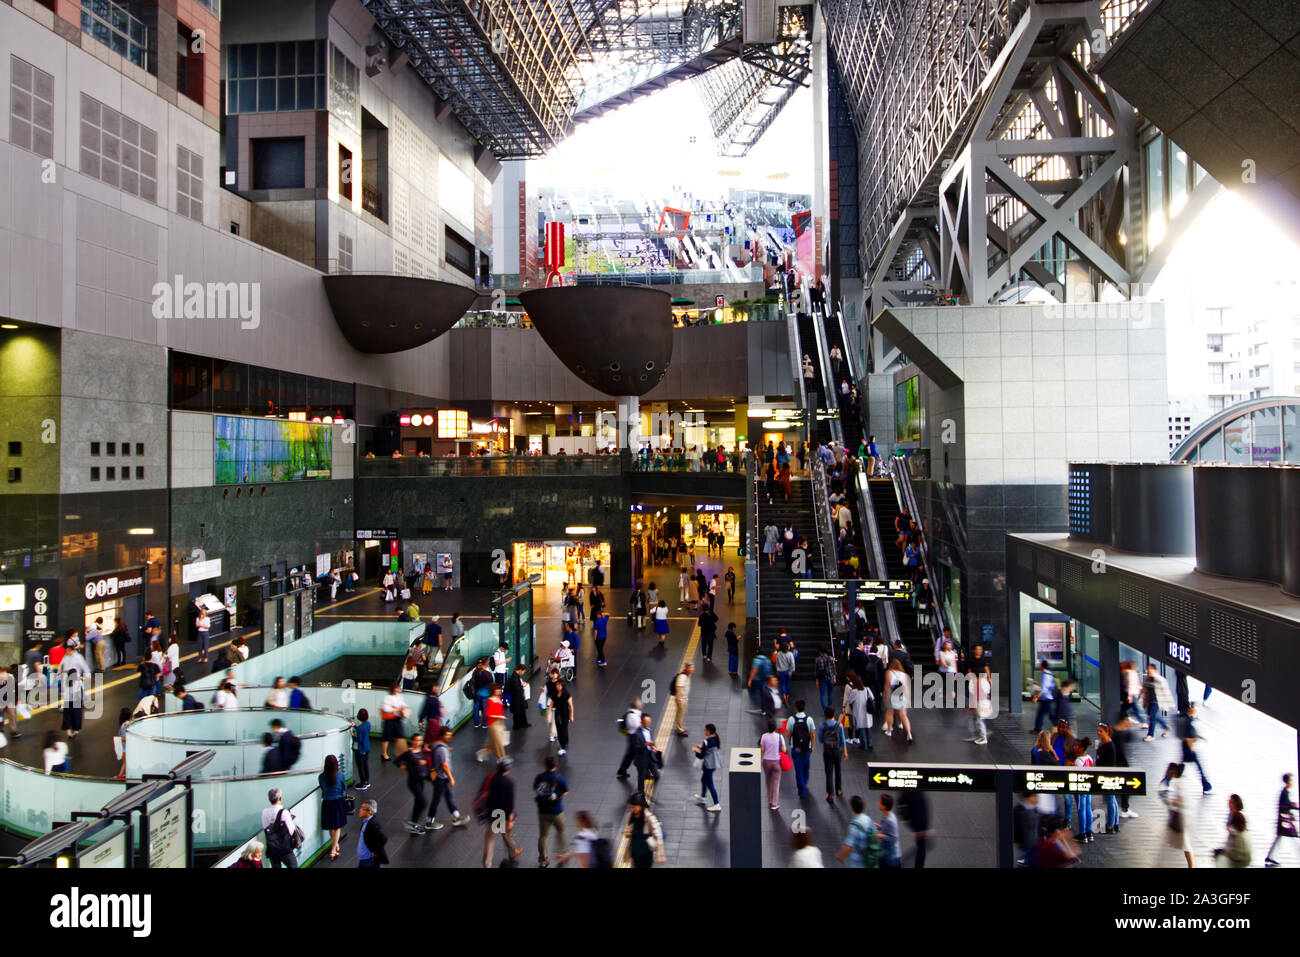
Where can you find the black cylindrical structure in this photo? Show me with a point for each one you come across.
(1151, 508)
(1289, 521)
(1239, 522)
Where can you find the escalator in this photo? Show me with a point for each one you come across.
(916, 638)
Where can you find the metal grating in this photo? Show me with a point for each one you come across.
(1025, 558)
(1179, 613)
(1046, 565)
(1135, 599)
(1072, 575)
(1233, 634)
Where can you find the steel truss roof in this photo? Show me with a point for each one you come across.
(520, 73)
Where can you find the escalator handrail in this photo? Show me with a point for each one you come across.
(825, 533)
(942, 611)
(831, 398)
(886, 617)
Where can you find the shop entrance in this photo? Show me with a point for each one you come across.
(559, 561)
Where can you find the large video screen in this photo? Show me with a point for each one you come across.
(907, 410)
(247, 450)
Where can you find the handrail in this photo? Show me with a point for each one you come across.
(886, 617)
(942, 617)
(135, 724)
(825, 527)
(831, 400)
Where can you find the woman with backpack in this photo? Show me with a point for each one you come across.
(709, 751)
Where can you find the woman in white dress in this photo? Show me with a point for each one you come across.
(226, 699)
(1177, 829)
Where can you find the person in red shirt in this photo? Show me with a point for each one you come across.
(496, 726)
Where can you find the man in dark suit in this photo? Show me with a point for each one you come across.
(371, 839)
(518, 700)
(900, 653)
(288, 744)
(858, 658)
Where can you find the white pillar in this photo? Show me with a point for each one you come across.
(629, 422)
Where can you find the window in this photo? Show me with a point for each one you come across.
(345, 253)
(94, 448)
(189, 62)
(139, 448)
(279, 163)
(110, 473)
(189, 184)
(120, 27)
(94, 474)
(31, 108)
(126, 448)
(139, 471)
(345, 80)
(234, 228)
(15, 475)
(459, 252)
(117, 150)
(345, 173)
(126, 473)
(274, 77)
(112, 448)
(453, 424)
(1155, 191)
(15, 448)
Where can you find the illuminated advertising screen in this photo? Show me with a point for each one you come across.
(247, 450)
(907, 410)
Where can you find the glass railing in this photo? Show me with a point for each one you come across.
(306, 814)
(679, 460)
(156, 744)
(487, 465)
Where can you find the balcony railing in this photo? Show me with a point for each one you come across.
(488, 465)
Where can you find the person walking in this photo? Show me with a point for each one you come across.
(648, 757)
(630, 726)
(644, 834)
(559, 703)
(1177, 829)
(914, 808)
(1155, 697)
(979, 679)
(282, 832)
(733, 649)
(681, 692)
(802, 730)
(683, 588)
(1108, 757)
(730, 579)
(861, 847)
(896, 698)
(834, 752)
(825, 671)
(859, 705)
(480, 683)
(496, 725)
(1190, 739)
(1286, 819)
(772, 745)
(1236, 851)
(392, 711)
(418, 764)
(549, 789)
(361, 749)
(518, 693)
(599, 633)
(371, 839)
(708, 622)
(444, 782)
(709, 751)
(499, 814)
(785, 665)
(661, 622)
(333, 802)
(890, 850)
(1046, 697)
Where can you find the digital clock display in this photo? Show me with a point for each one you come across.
(1178, 651)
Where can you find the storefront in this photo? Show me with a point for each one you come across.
(13, 599)
(707, 518)
(116, 595)
(567, 560)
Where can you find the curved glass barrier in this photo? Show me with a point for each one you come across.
(306, 814)
(156, 744)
